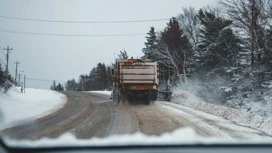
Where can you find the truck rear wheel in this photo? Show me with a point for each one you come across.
(152, 95)
(147, 102)
(117, 96)
(120, 98)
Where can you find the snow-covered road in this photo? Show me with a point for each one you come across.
(87, 115)
(160, 123)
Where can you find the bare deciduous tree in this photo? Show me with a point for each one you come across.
(190, 24)
(170, 58)
(252, 18)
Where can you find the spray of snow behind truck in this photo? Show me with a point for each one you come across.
(136, 80)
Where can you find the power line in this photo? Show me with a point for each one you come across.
(94, 22)
(2, 62)
(12, 68)
(70, 35)
(2, 51)
(24, 62)
(43, 80)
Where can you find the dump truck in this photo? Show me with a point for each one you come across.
(135, 80)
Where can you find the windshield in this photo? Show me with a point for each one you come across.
(142, 72)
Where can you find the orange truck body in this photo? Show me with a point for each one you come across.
(136, 79)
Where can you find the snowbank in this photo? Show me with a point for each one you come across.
(179, 136)
(16, 107)
(240, 117)
(102, 92)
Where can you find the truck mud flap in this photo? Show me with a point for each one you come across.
(152, 95)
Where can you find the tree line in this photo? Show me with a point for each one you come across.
(226, 48)
(99, 78)
(57, 87)
(2, 76)
(223, 51)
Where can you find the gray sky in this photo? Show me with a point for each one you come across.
(61, 58)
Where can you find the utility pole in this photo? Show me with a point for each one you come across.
(19, 82)
(8, 51)
(19, 79)
(24, 82)
(16, 70)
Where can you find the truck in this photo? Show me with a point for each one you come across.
(135, 80)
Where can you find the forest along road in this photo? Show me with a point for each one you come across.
(88, 115)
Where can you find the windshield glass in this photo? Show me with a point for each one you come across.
(124, 72)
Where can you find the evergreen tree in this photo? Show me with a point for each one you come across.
(53, 86)
(150, 44)
(178, 46)
(172, 35)
(62, 87)
(83, 82)
(123, 54)
(59, 87)
(218, 45)
(104, 77)
(71, 85)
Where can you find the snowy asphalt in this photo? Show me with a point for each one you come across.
(88, 115)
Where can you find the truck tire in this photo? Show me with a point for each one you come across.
(147, 102)
(152, 95)
(121, 97)
(116, 96)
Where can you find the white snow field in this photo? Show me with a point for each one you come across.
(238, 116)
(17, 107)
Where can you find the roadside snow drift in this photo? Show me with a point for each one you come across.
(17, 107)
(102, 92)
(240, 117)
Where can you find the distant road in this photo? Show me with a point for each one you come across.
(90, 115)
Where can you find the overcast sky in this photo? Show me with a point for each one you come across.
(61, 57)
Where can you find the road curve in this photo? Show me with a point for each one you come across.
(88, 115)
(85, 114)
